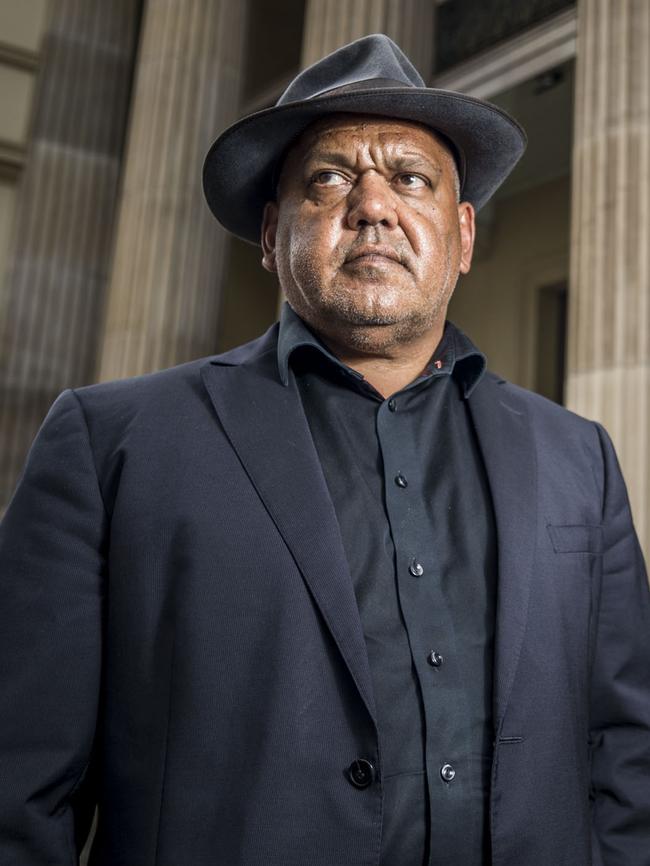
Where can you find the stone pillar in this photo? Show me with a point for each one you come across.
(609, 328)
(58, 261)
(164, 294)
(332, 23)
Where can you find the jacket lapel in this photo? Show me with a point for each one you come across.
(505, 439)
(266, 426)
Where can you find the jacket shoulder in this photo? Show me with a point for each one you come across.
(168, 387)
(143, 388)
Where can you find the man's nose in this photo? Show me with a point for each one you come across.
(372, 202)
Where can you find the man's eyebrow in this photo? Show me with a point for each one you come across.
(411, 160)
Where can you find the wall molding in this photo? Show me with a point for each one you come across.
(12, 159)
(516, 60)
(19, 58)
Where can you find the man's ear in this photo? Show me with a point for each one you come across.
(466, 220)
(269, 229)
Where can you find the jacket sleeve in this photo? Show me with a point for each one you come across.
(620, 696)
(52, 565)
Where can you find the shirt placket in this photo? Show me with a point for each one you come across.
(427, 620)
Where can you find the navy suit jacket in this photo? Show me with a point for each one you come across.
(180, 640)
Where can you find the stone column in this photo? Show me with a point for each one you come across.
(58, 261)
(165, 285)
(332, 23)
(609, 329)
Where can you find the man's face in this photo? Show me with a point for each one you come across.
(367, 235)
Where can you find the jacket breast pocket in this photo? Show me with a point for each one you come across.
(576, 538)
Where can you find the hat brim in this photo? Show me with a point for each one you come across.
(239, 167)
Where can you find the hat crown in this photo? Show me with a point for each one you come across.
(370, 76)
(365, 59)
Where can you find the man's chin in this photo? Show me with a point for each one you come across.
(359, 322)
(364, 315)
(373, 320)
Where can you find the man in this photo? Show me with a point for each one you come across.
(338, 596)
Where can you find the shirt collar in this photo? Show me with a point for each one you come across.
(455, 355)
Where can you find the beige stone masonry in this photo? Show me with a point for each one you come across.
(58, 262)
(165, 286)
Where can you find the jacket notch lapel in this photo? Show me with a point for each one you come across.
(266, 426)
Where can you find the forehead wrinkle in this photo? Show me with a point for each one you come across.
(384, 126)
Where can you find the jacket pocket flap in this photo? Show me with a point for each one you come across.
(576, 538)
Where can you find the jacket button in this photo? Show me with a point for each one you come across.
(447, 772)
(435, 659)
(361, 773)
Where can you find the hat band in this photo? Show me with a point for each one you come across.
(364, 84)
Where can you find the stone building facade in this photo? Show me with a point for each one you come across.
(113, 266)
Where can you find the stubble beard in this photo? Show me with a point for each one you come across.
(371, 327)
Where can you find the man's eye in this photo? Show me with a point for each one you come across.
(328, 178)
(411, 181)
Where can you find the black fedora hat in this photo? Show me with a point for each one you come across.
(369, 76)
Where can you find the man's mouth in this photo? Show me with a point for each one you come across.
(373, 253)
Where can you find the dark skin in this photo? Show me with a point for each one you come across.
(368, 238)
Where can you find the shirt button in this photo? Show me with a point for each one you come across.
(447, 772)
(400, 480)
(416, 568)
(361, 773)
(392, 405)
(435, 659)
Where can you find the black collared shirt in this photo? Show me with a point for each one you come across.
(411, 497)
